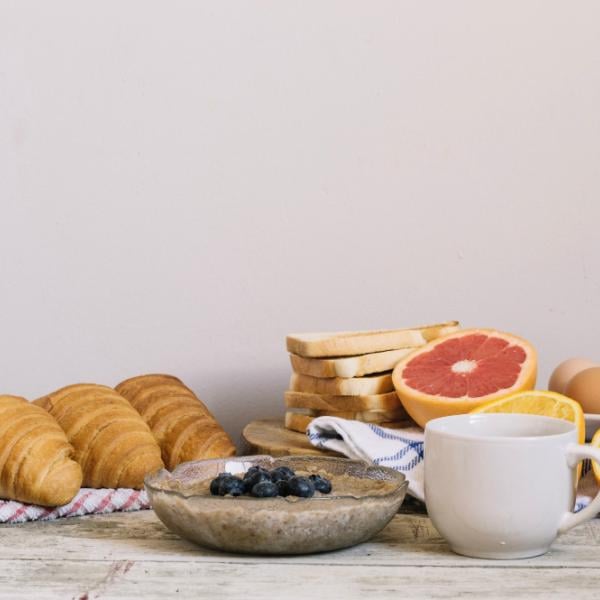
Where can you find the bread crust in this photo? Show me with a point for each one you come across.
(348, 366)
(183, 426)
(36, 464)
(352, 343)
(105, 431)
(389, 401)
(354, 386)
(300, 422)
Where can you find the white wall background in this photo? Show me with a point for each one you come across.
(182, 183)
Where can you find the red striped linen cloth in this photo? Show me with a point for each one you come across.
(88, 501)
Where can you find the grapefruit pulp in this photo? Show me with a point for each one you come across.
(459, 372)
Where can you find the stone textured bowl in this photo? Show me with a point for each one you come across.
(277, 525)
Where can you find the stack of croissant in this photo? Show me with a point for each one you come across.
(96, 436)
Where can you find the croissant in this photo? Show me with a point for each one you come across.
(35, 456)
(113, 445)
(183, 426)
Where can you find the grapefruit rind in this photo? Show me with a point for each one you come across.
(422, 407)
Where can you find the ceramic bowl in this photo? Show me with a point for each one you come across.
(278, 525)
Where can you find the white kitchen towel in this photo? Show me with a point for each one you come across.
(400, 449)
(87, 502)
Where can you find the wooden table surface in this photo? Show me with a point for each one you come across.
(132, 555)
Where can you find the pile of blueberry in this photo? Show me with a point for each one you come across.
(262, 483)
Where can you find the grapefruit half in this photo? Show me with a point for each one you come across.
(459, 372)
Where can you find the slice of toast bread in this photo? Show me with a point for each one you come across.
(299, 422)
(389, 401)
(366, 416)
(351, 366)
(351, 343)
(354, 386)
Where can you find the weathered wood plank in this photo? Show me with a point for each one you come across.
(409, 540)
(270, 436)
(89, 579)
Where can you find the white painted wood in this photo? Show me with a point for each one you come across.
(131, 579)
(133, 555)
(409, 540)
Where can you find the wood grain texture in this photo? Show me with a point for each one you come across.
(132, 555)
(270, 436)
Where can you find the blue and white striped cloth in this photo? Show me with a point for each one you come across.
(400, 449)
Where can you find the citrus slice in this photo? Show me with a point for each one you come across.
(595, 466)
(538, 402)
(459, 372)
(547, 404)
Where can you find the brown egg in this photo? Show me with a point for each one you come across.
(566, 371)
(585, 388)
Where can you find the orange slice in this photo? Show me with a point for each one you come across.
(538, 402)
(547, 404)
(595, 466)
(459, 372)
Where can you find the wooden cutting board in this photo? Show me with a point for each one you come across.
(269, 436)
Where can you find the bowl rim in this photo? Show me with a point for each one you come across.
(151, 485)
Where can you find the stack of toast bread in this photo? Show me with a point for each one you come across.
(95, 436)
(349, 374)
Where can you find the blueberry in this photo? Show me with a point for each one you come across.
(231, 485)
(214, 484)
(283, 487)
(282, 473)
(321, 484)
(255, 469)
(301, 486)
(265, 489)
(252, 477)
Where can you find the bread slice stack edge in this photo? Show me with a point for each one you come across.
(348, 374)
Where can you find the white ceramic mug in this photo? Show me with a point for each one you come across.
(503, 485)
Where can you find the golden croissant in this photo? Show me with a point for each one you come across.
(183, 426)
(35, 456)
(113, 445)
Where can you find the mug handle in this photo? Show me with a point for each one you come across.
(575, 453)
